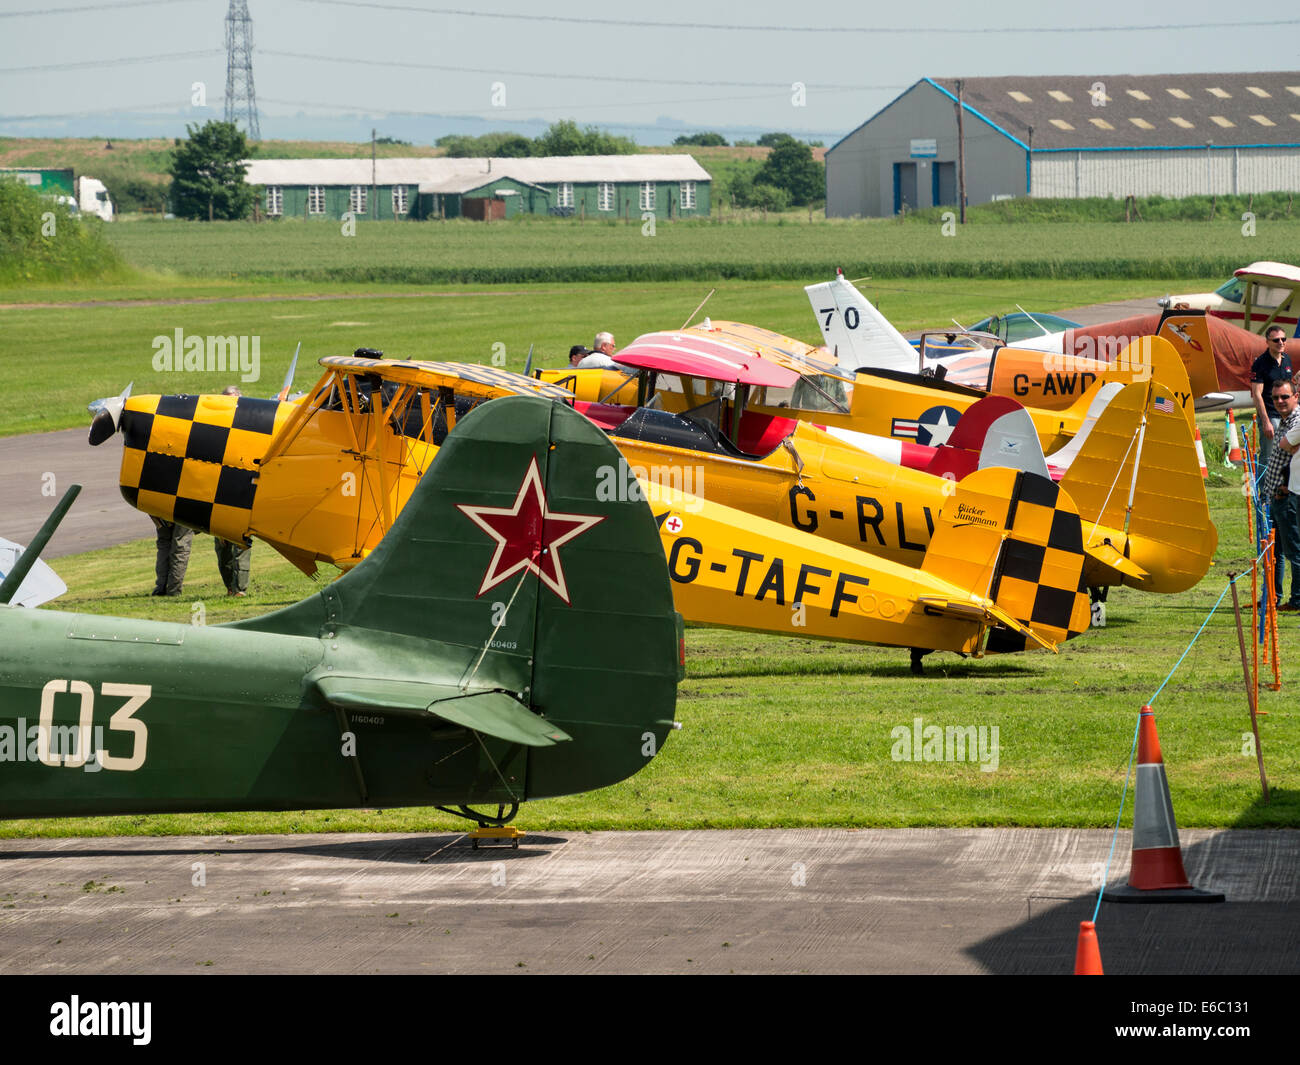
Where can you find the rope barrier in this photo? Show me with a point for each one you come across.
(1105, 879)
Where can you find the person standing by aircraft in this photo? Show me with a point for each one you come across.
(1281, 498)
(233, 560)
(174, 543)
(1272, 366)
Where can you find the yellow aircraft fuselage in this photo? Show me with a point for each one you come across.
(341, 468)
(333, 471)
(1057, 391)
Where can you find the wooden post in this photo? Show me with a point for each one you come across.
(1251, 700)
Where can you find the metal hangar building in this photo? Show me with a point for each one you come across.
(1071, 136)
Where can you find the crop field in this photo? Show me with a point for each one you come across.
(560, 250)
(65, 347)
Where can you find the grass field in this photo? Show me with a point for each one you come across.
(556, 250)
(60, 356)
(776, 731)
(792, 732)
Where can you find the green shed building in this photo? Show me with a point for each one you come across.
(48, 181)
(602, 186)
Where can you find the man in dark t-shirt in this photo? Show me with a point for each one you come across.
(1272, 366)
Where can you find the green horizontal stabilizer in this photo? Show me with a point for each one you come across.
(494, 713)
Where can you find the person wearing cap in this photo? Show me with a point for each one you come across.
(576, 354)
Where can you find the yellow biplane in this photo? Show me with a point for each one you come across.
(886, 403)
(1130, 466)
(323, 478)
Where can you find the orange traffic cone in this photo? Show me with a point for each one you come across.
(1200, 457)
(1156, 873)
(1232, 455)
(1087, 954)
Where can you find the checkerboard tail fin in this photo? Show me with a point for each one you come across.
(1015, 538)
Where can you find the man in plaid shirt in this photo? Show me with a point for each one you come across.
(1282, 503)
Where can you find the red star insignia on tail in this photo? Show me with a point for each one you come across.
(528, 535)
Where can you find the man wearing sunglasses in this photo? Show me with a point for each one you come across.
(1272, 366)
(1281, 499)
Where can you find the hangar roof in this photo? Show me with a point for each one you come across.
(1127, 111)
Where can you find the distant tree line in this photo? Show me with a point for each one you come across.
(562, 138)
(717, 140)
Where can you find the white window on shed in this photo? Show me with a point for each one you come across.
(315, 199)
(357, 200)
(564, 194)
(605, 196)
(399, 200)
(274, 199)
(688, 195)
(647, 195)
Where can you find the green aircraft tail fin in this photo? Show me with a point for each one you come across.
(523, 564)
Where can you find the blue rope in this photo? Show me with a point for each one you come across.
(1226, 588)
(1105, 879)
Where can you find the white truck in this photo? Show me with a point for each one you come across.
(92, 198)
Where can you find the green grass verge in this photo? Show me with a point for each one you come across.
(79, 345)
(783, 732)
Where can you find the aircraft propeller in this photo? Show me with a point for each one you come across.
(108, 415)
(288, 377)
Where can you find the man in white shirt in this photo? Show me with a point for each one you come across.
(600, 357)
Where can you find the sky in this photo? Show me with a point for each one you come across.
(416, 69)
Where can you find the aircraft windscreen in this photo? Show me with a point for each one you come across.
(1232, 290)
(973, 372)
(812, 393)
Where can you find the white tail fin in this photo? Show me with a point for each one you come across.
(1013, 441)
(855, 332)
